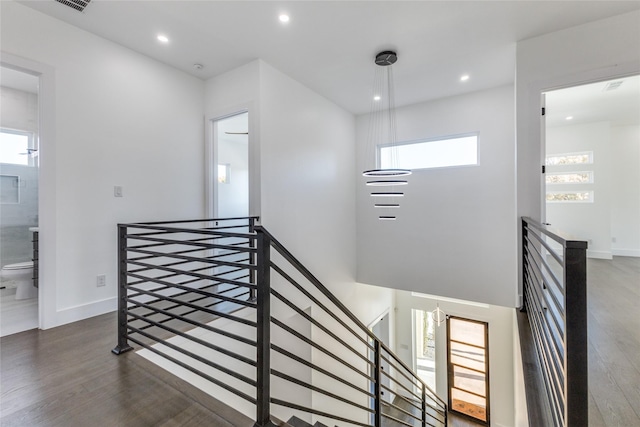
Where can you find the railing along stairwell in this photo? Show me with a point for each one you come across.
(223, 301)
(554, 273)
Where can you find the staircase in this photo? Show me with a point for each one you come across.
(230, 309)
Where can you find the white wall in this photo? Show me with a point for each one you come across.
(625, 194)
(304, 174)
(501, 354)
(590, 52)
(456, 232)
(118, 118)
(227, 94)
(306, 155)
(585, 221)
(595, 51)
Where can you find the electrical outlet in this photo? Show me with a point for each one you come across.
(101, 280)
(613, 240)
(117, 191)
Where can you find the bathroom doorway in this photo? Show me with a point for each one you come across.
(19, 195)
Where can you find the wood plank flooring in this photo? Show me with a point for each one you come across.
(68, 377)
(614, 341)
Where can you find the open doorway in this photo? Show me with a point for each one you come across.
(592, 161)
(381, 329)
(230, 177)
(425, 346)
(19, 201)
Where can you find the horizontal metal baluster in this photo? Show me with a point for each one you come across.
(319, 304)
(316, 346)
(316, 412)
(196, 371)
(318, 390)
(319, 369)
(194, 323)
(319, 326)
(199, 341)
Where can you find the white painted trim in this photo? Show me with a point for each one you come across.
(84, 311)
(211, 183)
(599, 254)
(379, 318)
(47, 290)
(626, 252)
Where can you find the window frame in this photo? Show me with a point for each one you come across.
(428, 140)
(31, 158)
(591, 196)
(575, 153)
(589, 172)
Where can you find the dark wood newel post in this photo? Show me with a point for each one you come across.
(123, 344)
(576, 363)
(263, 393)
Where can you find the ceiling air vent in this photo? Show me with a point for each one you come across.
(613, 85)
(78, 5)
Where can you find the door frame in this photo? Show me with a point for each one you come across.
(559, 84)
(450, 380)
(47, 288)
(210, 167)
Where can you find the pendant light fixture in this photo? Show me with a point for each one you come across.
(382, 136)
(438, 315)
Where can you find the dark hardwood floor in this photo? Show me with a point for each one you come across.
(68, 377)
(614, 341)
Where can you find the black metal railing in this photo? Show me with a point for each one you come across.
(289, 349)
(554, 269)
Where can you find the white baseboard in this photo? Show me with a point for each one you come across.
(626, 252)
(599, 254)
(81, 312)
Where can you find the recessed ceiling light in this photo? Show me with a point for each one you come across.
(162, 38)
(284, 18)
(464, 78)
(376, 98)
(569, 118)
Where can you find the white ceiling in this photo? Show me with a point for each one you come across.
(592, 103)
(329, 46)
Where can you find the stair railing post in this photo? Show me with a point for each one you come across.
(377, 389)
(252, 260)
(523, 247)
(123, 344)
(424, 406)
(576, 364)
(263, 391)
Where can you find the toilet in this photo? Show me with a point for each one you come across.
(20, 276)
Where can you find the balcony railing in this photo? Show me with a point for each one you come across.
(555, 300)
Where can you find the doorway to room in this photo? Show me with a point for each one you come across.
(229, 181)
(19, 200)
(424, 346)
(592, 164)
(381, 329)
